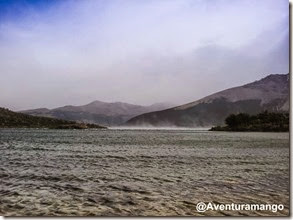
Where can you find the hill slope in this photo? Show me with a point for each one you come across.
(98, 112)
(270, 93)
(10, 119)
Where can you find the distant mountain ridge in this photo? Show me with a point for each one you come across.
(99, 112)
(270, 93)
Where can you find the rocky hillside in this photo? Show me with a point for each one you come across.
(270, 93)
(99, 112)
(10, 119)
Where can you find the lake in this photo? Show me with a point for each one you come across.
(140, 172)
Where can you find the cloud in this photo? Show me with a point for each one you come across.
(74, 52)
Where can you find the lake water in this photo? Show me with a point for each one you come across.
(140, 172)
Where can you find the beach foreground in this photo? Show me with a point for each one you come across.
(140, 172)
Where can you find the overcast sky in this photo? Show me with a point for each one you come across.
(55, 53)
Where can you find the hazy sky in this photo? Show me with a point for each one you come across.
(54, 53)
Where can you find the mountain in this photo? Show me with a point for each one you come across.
(99, 112)
(10, 119)
(270, 93)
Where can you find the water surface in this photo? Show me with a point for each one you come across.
(139, 172)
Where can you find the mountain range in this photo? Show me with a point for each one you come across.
(270, 93)
(97, 112)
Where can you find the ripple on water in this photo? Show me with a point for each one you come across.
(139, 172)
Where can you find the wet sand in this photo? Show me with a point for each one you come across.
(140, 172)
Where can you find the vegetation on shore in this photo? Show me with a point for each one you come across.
(265, 121)
(10, 119)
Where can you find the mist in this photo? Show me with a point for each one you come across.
(57, 53)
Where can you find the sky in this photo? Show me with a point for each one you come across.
(71, 52)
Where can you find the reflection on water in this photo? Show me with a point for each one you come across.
(140, 172)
